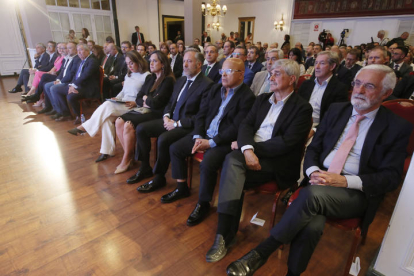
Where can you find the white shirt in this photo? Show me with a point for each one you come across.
(265, 131)
(316, 99)
(399, 65)
(132, 86)
(173, 58)
(68, 61)
(351, 167)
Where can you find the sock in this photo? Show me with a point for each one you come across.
(182, 185)
(224, 227)
(267, 247)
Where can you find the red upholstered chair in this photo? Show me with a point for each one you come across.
(353, 224)
(99, 101)
(301, 80)
(412, 73)
(408, 114)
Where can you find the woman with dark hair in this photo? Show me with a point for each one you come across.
(85, 34)
(151, 100)
(296, 55)
(105, 115)
(98, 52)
(164, 48)
(181, 49)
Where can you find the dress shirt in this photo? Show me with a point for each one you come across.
(250, 65)
(132, 86)
(316, 99)
(265, 131)
(173, 58)
(51, 56)
(179, 95)
(399, 65)
(351, 167)
(68, 61)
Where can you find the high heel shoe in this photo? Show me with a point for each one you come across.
(75, 131)
(121, 170)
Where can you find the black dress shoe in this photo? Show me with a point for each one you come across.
(198, 214)
(52, 112)
(75, 131)
(175, 195)
(247, 265)
(44, 110)
(56, 116)
(101, 157)
(140, 175)
(16, 89)
(218, 250)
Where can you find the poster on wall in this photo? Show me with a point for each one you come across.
(305, 9)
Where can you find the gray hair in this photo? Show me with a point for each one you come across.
(390, 79)
(278, 51)
(84, 46)
(381, 32)
(199, 56)
(215, 48)
(291, 67)
(41, 45)
(333, 58)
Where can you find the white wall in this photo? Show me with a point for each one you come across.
(170, 7)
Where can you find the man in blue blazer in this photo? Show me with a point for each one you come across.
(252, 61)
(41, 60)
(348, 180)
(84, 84)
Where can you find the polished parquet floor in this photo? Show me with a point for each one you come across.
(63, 214)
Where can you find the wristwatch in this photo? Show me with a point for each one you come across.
(175, 124)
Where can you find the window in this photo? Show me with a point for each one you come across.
(59, 25)
(84, 4)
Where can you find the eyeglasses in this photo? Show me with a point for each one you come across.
(228, 71)
(236, 54)
(368, 86)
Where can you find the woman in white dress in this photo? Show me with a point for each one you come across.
(106, 114)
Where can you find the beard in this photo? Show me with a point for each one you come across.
(361, 102)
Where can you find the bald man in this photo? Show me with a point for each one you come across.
(216, 127)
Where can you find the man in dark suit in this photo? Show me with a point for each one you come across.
(252, 61)
(176, 61)
(211, 69)
(65, 75)
(271, 141)
(404, 89)
(108, 61)
(311, 61)
(118, 62)
(215, 129)
(401, 69)
(228, 49)
(85, 84)
(325, 88)
(356, 156)
(348, 68)
(118, 78)
(137, 37)
(178, 121)
(41, 60)
(206, 38)
(51, 50)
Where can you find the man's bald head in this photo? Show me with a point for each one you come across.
(232, 72)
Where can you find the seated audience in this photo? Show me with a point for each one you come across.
(211, 69)
(252, 61)
(85, 34)
(90, 44)
(269, 147)
(409, 59)
(382, 40)
(178, 121)
(176, 61)
(117, 62)
(311, 61)
(181, 49)
(98, 52)
(350, 62)
(71, 37)
(400, 68)
(116, 81)
(197, 42)
(241, 53)
(149, 105)
(216, 127)
(377, 55)
(404, 89)
(348, 180)
(261, 81)
(219, 46)
(228, 49)
(85, 84)
(296, 55)
(108, 61)
(164, 49)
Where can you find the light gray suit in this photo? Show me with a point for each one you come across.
(258, 81)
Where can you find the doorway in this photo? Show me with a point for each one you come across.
(171, 25)
(246, 26)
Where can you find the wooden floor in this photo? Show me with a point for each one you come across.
(63, 214)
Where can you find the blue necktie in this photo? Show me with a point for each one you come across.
(79, 69)
(176, 114)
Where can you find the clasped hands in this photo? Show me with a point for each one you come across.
(200, 145)
(325, 178)
(72, 90)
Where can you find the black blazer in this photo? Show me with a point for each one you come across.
(234, 113)
(257, 66)
(134, 38)
(108, 65)
(335, 91)
(214, 74)
(50, 64)
(404, 88)
(70, 73)
(117, 64)
(197, 91)
(178, 66)
(285, 149)
(404, 70)
(42, 63)
(158, 99)
(310, 62)
(344, 75)
(88, 81)
(382, 156)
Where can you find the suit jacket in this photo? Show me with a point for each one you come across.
(108, 65)
(382, 156)
(178, 66)
(258, 81)
(70, 72)
(88, 81)
(43, 62)
(117, 64)
(234, 113)
(134, 38)
(50, 64)
(213, 74)
(206, 39)
(310, 62)
(157, 99)
(403, 71)
(404, 88)
(344, 75)
(257, 66)
(285, 148)
(189, 109)
(335, 91)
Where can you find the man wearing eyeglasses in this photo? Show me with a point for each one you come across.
(356, 156)
(241, 53)
(269, 147)
(216, 126)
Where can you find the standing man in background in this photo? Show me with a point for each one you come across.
(137, 37)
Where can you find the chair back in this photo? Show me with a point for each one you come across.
(412, 73)
(101, 78)
(407, 112)
(301, 80)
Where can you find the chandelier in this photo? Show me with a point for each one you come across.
(213, 9)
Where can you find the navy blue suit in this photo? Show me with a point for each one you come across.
(257, 66)
(40, 62)
(50, 64)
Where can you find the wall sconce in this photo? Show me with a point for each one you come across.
(216, 25)
(279, 25)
